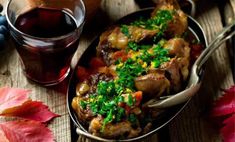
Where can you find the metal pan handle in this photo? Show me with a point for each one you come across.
(227, 33)
(193, 7)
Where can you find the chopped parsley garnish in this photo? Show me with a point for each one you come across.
(157, 22)
(127, 71)
(133, 46)
(125, 30)
(160, 56)
(106, 104)
(106, 88)
(146, 56)
(155, 57)
(132, 118)
(83, 104)
(130, 101)
(109, 94)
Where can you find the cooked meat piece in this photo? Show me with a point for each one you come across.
(95, 126)
(147, 128)
(153, 84)
(184, 67)
(173, 69)
(136, 111)
(179, 24)
(179, 48)
(113, 130)
(162, 3)
(177, 69)
(108, 70)
(138, 34)
(113, 40)
(82, 88)
(84, 115)
(95, 78)
(118, 40)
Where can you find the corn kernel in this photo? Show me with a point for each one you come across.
(144, 65)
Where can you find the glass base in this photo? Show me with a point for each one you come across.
(48, 83)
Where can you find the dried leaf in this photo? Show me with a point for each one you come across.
(26, 131)
(3, 137)
(31, 110)
(12, 97)
(228, 131)
(224, 109)
(226, 104)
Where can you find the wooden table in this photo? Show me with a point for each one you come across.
(191, 125)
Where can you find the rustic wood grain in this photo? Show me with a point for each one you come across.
(3, 2)
(191, 125)
(228, 17)
(228, 12)
(118, 8)
(232, 2)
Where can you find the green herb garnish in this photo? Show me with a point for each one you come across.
(133, 46)
(160, 56)
(132, 118)
(130, 100)
(127, 72)
(83, 104)
(109, 94)
(125, 30)
(157, 22)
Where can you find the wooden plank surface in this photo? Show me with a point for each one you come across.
(192, 125)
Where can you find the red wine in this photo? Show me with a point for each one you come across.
(46, 63)
(45, 23)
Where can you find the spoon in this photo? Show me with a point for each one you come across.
(196, 72)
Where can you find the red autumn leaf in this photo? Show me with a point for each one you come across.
(226, 104)
(228, 131)
(26, 131)
(3, 137)
(10, 97)
(224, 108)
(31, 110)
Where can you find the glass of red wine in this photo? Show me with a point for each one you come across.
(46, 34)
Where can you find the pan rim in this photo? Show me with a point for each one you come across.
(154, 130)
